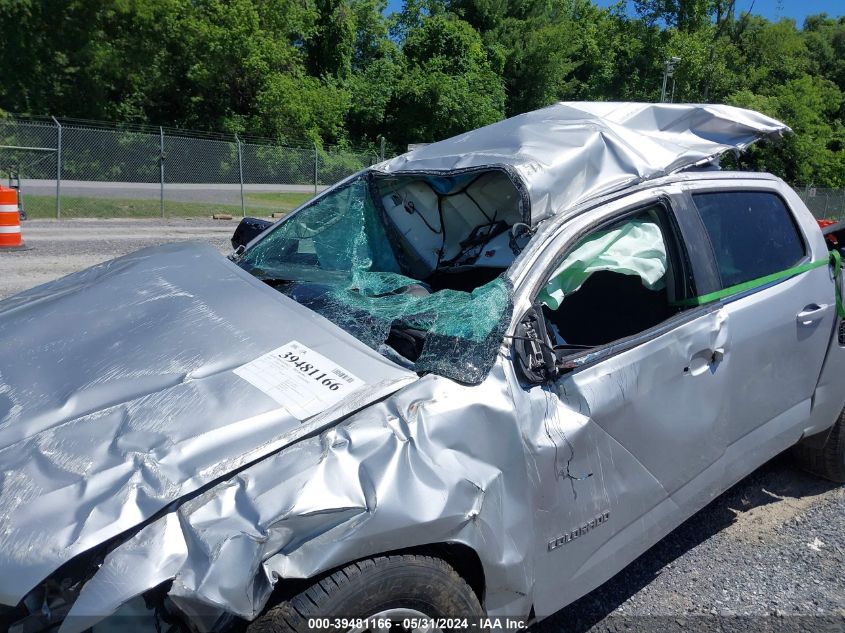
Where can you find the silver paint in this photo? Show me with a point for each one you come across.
(118, 396)
(122, 422)
(570, 152)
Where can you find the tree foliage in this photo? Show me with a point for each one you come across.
(341, 71)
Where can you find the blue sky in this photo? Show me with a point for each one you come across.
(777, 9)
(771, 9)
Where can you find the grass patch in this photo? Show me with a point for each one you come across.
(262, 204)
(286, 201)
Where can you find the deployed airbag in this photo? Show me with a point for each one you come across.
(636, 248)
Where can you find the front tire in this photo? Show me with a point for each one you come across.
(386, 586)
(827, 460)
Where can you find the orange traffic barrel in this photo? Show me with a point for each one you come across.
(10, 220)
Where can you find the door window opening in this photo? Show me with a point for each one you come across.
(616, 282)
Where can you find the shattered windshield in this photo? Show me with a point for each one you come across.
(342, 257)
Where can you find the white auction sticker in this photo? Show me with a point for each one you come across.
(301, 380)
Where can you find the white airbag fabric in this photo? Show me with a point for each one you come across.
(637, 248)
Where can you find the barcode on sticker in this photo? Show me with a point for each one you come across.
(300, 379)
(342, 374)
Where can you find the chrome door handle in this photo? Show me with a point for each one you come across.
(810, 313)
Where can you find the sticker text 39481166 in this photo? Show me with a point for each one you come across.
(301, 380)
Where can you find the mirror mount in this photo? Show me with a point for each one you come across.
(534, 352)
(248, 229)
(519, 235)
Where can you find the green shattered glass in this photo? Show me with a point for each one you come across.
(338, 260)
(340, 231)
(468, 315)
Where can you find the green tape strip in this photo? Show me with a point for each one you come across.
(762, 281)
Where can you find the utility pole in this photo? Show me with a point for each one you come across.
(161, 168)
(669, 72)
(58, 167)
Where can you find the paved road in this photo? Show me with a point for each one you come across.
(768, 555)
(174, 192)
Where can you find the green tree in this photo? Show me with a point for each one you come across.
(447, 85)
(814, 154)
(340, 71)
(331, 46)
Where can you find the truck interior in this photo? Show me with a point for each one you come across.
(616, 282)
(621, 279)
(411, 265)
(456, 232)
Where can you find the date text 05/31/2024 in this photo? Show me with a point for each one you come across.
(414, 623)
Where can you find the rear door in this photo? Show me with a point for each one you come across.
(776, 291)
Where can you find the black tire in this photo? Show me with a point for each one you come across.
(423, 583)
(827, 460)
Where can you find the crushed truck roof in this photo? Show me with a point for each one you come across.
(569, 152)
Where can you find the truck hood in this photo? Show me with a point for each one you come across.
(129, 385)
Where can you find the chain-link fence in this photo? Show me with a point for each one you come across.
(69, 168)
(825, 204)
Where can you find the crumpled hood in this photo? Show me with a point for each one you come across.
(118, 396)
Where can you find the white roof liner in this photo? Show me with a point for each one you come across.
(572, 151)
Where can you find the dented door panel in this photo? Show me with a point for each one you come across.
(621, 436)
(663, 397)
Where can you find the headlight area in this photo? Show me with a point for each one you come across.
(151, 612)
(50, 601)
(46, 607)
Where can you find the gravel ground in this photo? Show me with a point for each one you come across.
(768, 555)
(59, 248)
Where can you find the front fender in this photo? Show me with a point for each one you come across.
(436, 462)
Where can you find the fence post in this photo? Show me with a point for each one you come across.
(241, 175)
(58, 167)
(161, 167)
(316, 155)
(382, 148)
(842, 206)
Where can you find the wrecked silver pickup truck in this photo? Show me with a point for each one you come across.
(477, 379)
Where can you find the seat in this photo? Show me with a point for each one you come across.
(608, 306)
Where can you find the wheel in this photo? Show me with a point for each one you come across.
(827, 460)
(387, 588)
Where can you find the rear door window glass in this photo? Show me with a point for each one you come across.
(753, 234)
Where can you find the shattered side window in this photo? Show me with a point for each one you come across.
(635, 248)
(335, 257)
(613, 284)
